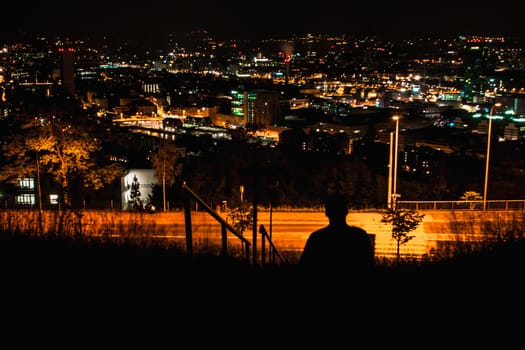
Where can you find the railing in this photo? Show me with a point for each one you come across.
(503, 204)
(225, 226)
(273, 249)
(518, 204)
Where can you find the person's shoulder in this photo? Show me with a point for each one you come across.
(318, 232)
(357, 229)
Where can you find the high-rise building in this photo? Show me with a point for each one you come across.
(475, 51)
(67, 69)
(257, 108)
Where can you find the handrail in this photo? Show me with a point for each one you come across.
(265, 235)
(224, 224)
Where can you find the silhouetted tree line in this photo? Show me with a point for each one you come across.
(288, 176)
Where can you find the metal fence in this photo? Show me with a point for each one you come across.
(510, 204)
(518, 204)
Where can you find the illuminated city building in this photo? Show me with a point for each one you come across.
(475, 55)
(256, 109)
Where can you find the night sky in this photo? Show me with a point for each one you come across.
(254, 19)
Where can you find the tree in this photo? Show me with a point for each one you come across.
(25, 164)
(70, 158)
(62, 150)
(403, 222)
(164, 165)
(469, 196)
(135, 194)
(241, 218)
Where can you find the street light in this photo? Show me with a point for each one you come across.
(241, 191)
(391, 150)
(489, 136)
(396, 147)
(393, 154)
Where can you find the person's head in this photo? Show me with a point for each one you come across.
(336, 206)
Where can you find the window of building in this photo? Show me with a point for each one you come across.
(26, 183)
(53, 198)
(25, 199)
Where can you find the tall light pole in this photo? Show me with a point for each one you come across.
(391, 150)
(396, 147)
(487, 158)
(241, 191)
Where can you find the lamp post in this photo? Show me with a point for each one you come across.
(396, 147)
(241, 191)
(487, 158)
(391, 150)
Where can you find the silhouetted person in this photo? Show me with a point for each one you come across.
(337, 249)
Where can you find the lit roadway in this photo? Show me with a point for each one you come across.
(289, 230)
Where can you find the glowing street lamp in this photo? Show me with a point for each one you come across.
(392, 185)
(497, 104)
(391, 150)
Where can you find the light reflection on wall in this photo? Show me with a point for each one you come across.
(137, 188)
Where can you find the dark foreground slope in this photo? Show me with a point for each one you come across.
(62, 261)
(89, 286)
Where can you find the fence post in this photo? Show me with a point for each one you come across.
(254, 228)
(224, 240)
(187, 222)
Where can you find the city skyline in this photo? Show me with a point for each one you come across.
(267, 19)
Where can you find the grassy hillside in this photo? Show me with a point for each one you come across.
(99, 261)
(96, 291)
